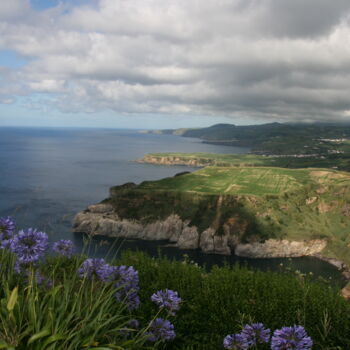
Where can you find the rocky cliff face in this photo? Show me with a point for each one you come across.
(102, 219)
(173, 160)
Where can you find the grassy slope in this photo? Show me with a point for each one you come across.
(278, 203)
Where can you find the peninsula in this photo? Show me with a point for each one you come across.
(247, 211)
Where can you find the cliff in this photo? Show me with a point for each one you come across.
(252, 212)
(102, 219)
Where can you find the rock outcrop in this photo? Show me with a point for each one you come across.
(102, 219)
(280, 248)
(174, 160)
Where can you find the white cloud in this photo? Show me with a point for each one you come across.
(265, 59)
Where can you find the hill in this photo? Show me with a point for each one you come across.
(276, 138)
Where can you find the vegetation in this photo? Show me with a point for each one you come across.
(221, 301)
(340, 162)
(72, 312)
(277, 138)
(255, 203)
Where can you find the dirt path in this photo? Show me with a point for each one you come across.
(216, 221)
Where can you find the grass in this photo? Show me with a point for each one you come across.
(217, 303)
(228, 180)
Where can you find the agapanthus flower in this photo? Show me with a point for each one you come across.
(29, 245)
(64, 247)
(161, 329)
(7, 227)
(291, 338)
(236, 342)
(107, 273)
(167, 299)
(127, 283)
(90, 267)
(256, 333)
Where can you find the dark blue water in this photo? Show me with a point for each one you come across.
(48, 175)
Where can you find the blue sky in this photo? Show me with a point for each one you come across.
(160, 63)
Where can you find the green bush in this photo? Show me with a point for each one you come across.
(219, 302)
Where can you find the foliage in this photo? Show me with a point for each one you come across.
(222, 301)
(69, 302)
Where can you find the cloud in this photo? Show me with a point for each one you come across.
(268, 59)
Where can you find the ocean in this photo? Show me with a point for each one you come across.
(47, 175)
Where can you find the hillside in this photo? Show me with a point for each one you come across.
(276, 138)
(246, 210)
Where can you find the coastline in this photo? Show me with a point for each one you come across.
(97, 222)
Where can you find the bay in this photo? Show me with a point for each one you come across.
(47, 175)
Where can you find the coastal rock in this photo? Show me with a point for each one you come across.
(189, 238)
(273, 248)
(100, 208)
(173, 160)
(345, 292)
(212, 243)
(100, 219)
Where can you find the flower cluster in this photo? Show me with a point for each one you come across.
(125, 279)
(167, 299)
(64, 247)
(286, 338)
(7, 228)
(236, 342)
(291, 338)
(161, 329)
(256, 334)
(29, 245)
(127, 286)
(91, 267)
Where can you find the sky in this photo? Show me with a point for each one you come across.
(165, 63)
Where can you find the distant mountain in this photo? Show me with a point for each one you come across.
(272, 138)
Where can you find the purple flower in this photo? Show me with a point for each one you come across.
(236, 342)
(29, 245)
(107, 273)
(90, 267)
(291, 338)
(64, 247)
(167, 299)
(7, 227)
(161, 329)
(127, 283)
(256, 333)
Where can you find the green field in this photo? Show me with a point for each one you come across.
(338, 161)
(256, 181)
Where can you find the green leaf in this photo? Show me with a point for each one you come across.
(42, 334)
(52, 339)
(6, 346)
(12, 300)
